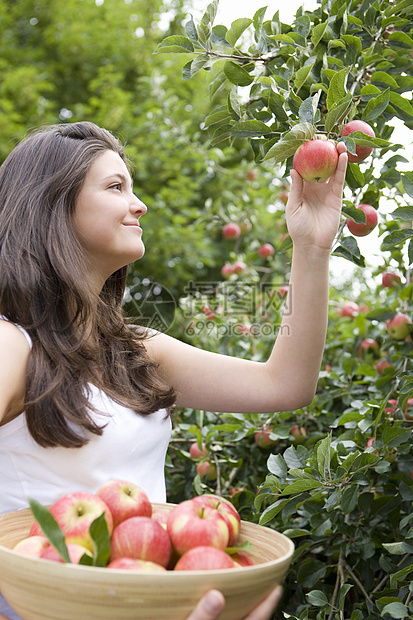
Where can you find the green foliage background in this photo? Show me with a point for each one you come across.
(216, 148)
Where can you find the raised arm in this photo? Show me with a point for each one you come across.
(288, 379)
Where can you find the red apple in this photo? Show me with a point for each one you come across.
(266, 250)
(231, 230)
(361, 230)
(74, 512)
(349, 308)
(191, 524)
(316, 160)
(226, 510)
(368, 345)
(389, 279)
(408, 411)
(382, 365)
(242, 559)
(207, 469)
(196, 452)
(75, 551)
(204, 558)
(361, 151)
(132, 564)
(160, 515)
(124, 499)
(399, 326)
(227, 270)
(262, 438)
(239, 266)
(35, 530)
(298, 433)
(32, 546)
(235, 491)
(141, 538)
(251, 175)
(391, 410)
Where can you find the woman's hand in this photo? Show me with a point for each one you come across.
(212, 604)
(313, 209)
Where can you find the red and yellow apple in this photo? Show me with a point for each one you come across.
(226, 510)
(263, 438)
(399, 326)
(132, 564)
(361, 151)
(32, 546)
(124, 500)
(390, 279)
(363, 229)
(197, 452)
(204, 558)
(75, 551)
(316, 160)
(141, 538)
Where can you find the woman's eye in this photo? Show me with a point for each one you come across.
(117, 186)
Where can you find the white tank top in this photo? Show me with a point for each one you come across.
(132, 448)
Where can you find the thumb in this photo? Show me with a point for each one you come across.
(296, 190)
(209, 607)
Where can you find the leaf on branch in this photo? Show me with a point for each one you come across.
(218, 35)
(407, 181)
(376, 106)
(403, 213)
(247, 129)
(193, 66)
(400, 103)
(308, 109)
(175, 44)
(354, 176)
(282, 150)
(237, 74)
(318, 33)
(357, 215)
(337, 112)
(191, 31)
(236, 30)
(299, 486)
(396, 237)
(349, 249)
(301, 76)
(381, 77)
(317, 598)
(337, 88)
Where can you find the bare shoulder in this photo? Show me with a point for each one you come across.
(14, 355)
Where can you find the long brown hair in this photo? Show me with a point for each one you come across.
(78, 337)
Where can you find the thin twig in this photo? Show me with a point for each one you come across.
(357, 582)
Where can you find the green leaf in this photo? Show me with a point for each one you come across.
(318, 33)
(353, 43)
(300, 133)
(270, 512)
(301, 76)
(277, 466)
(237, 74)
(191, 31)
(99, 533)
(357, 215)
(395, 610)
(401, 574)
(324, 456)
(349, 249)
(236, 29)
(396, 237)
(247, 129)
(337, 88)
(407, 181)
(381, 77)
(175, 44)
(337, 112)
(308, 109)
(376, 106)
(402, 39)
(193, 66)
(50, 528)
(403, 213)
(299, 486)
(349, 499)
(317, 598)
(283, 38)
(400, 103)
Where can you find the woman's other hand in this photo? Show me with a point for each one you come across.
(212, 604)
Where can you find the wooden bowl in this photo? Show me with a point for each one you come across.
(38, 589)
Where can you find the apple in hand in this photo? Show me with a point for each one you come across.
(316, 160)
(32, 546)
(204, 558)
(231, 230)
(361, 151)
(141, 538)
(74, 512)
(399, 326)
(361, 230)
(191, 524)
(75, 551)
(389, 279)
(132, 564)
(227, 511)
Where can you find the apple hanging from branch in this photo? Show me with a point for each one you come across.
(362, 152)
(360, 229)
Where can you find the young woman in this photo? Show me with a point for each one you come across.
(85, 396)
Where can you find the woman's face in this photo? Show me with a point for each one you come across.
(106, 216)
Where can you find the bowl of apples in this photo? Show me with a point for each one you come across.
(114, 554)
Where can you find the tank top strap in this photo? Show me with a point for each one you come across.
(23, 331)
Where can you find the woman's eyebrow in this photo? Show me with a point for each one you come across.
(120, 176)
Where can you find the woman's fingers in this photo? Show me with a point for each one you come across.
(209, 607)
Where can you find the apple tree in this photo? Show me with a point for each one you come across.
(335, 476)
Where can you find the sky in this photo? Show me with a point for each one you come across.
(228, 11)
